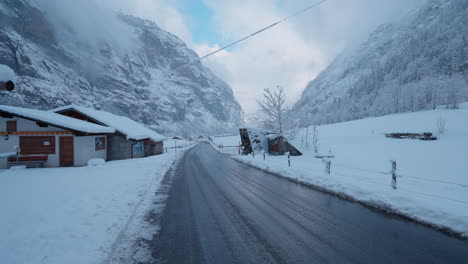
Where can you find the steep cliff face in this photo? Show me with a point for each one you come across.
(417, 63)
(155, 79)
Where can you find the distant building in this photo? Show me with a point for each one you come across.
(256, 140)
(131, 139)
(43, 138)
(278, 145)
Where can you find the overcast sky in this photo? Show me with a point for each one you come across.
(289, 55)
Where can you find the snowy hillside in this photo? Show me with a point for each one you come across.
(140, 77)
(413, 64)
(433, 179)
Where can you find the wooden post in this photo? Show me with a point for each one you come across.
(327, 163)
(394, 175)
(289, 160)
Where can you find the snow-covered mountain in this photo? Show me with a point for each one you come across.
(415, 63)
(154, 78)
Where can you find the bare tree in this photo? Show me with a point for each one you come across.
(453, 97)
(243, 117)
(315, 139)
(273, 107)
(396, 96)
(440, 124)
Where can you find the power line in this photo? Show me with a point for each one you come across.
(257, 32)
(264, 29)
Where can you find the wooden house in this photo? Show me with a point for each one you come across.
(131, 139)
(42, 138)
(256, 140)
(278, 145)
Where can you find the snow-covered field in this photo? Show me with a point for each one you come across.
(433, 175)
(73, 215)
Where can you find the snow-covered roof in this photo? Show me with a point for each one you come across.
(124, 125)
(57, 120)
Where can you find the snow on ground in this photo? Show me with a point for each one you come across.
(433, 182)
(73, 215)
(7, 74)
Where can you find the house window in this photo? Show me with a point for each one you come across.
(138, 147)
(100, 143)
(37, 145)
(11, 126)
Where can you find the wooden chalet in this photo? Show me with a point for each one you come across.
(131, 139)
(42, 138)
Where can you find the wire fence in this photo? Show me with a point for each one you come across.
(234, 150)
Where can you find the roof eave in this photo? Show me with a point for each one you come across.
(54, 125)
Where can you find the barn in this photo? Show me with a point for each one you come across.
(256, 140)
(43, 138)
(278, 145)
(131, 139)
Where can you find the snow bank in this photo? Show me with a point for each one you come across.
(73, 215)
(57, 120)
(8, 154)
(433, 176)
(96, 162)
(132, 129)
(7, 74)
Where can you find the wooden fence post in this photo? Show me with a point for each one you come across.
(394, 175)
(327, 164)
(289, 160)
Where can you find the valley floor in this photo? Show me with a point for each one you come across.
(432, 175)
(73, 215)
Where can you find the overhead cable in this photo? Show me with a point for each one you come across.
(264, 29)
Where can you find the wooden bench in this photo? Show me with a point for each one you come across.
(27, 160)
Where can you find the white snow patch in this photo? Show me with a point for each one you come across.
(96, 162)
(7, 74)
(72, 215)
(8, 154)
(18, 167)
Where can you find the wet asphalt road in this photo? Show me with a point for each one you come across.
(220, 211)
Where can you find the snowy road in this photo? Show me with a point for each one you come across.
(220, 211)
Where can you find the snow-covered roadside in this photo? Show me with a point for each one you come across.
(73, 215)
(433, 182)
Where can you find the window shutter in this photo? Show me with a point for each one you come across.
(11, 126)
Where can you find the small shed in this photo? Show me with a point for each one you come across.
(131, 139)
(278, 145)
(49, 139)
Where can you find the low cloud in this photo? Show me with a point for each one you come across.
(295, 52)
(290, 55)
(86, 23)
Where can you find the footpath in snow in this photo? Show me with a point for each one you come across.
(74, 215)
(432, 184)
